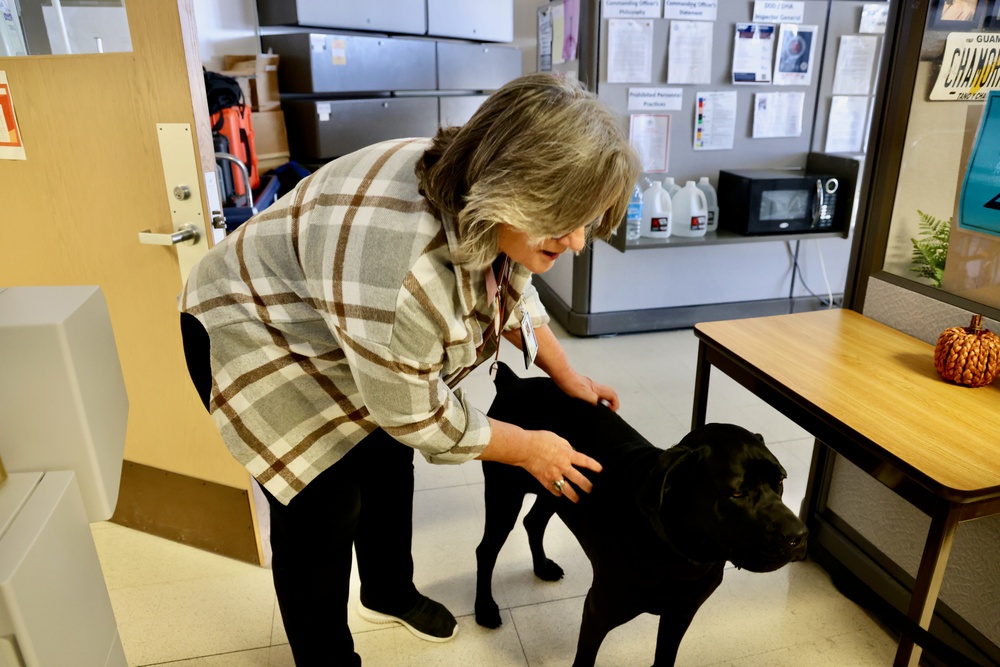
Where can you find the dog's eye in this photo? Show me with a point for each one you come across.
(738, 494)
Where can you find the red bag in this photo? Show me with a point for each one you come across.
(235, 124)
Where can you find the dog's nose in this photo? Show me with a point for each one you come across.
(797, 541)
(794, 534)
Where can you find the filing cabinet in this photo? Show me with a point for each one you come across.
(341, 63)
(458, 109)
(464, 66)
(491, 21)
(402, 16)
(325, 129)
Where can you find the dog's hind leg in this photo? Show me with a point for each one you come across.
(534, 523)
(502, 507)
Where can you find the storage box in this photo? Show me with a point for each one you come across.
(271, 139)
(261, 74)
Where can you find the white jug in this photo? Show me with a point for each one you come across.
(690, 216)
(656, 212)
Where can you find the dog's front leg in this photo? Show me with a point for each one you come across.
(602, 613)
(668, 637)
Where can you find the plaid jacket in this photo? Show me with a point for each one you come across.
(338, 310)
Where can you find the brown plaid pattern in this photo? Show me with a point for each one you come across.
(338, 310)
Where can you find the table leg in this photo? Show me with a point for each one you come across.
(701, 388)
(944, 522)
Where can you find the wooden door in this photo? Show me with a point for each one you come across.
(70, 214)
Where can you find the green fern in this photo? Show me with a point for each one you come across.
(930, 248)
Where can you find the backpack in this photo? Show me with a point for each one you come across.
(232, 132)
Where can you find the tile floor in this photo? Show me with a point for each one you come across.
(183, 607)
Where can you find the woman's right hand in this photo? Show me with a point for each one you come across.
(552, 458)
(548, 457)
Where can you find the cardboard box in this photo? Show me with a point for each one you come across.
(270, 139)
(261, 74)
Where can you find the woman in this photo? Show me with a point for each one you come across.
(342, 317)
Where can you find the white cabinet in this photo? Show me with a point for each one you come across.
(55, 610)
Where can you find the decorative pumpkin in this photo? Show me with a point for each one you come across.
(968, 355)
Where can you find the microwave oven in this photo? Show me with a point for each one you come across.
(769, 201)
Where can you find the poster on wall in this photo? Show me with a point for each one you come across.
(968, 67)
(11, 147)
(753, 52)
(796, 52)
(649, 134)
(979, 202)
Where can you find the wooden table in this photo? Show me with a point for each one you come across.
(871, 393)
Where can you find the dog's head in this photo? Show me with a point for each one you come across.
(716, 495)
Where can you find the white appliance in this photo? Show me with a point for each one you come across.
(63, 411)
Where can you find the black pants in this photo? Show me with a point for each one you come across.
(364, 500)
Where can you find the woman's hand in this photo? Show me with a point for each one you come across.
(549, 458)
(582, 387)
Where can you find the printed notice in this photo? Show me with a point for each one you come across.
(794, 64)
(649, 134)
(968, 68)
(655, 99)
(558, 33)
(545, 40)
(874, 17)
(11, 147)
(846, 129)
(753, 52)
(630, 51)
(689, 55)
(691, 10)
(715, 121)
(770, 11)
(777, 115)
(855, 62)
(631, 9)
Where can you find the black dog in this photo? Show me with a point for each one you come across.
(658, 526)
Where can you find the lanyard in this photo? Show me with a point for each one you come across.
(499, 300)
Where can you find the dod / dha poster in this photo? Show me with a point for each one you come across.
(970, 67)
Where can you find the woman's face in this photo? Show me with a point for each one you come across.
(539, 257)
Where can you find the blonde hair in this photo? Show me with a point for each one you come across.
(542, 154)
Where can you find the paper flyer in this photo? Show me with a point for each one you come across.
(846, 128)
(649, 134)
(715, 121)
(794, 64)
(777, 115)
(855, 64)
(689, 52)
(630, 51)
(753, 52)
(11, 147)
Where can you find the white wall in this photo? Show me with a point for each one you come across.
(226, 27)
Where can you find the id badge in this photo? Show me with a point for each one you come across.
(529, 344)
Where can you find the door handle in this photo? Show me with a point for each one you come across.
(187, 233)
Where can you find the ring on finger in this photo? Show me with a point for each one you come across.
(558, 485)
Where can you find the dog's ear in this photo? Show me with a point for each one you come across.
(657, 484)
(504, 376)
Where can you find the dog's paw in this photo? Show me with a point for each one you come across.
(488, 615)
(548, 571)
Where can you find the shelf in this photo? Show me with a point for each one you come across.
(723, 237)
